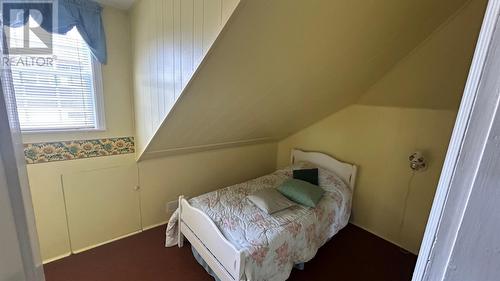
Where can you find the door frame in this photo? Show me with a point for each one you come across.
(14, 177)
(465, 152)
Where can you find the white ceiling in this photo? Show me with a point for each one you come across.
(120, 4)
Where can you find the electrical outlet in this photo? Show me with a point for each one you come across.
(171, 206)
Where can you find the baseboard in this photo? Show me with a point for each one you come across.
(46, 261)
(381, 237)
(154, 225)
(49, 260)
(105, 242)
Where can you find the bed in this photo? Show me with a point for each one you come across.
(240, 242)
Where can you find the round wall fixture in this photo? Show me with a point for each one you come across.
(417, 161)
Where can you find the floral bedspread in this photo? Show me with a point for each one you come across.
(273, 243)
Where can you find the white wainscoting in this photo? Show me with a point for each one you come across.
(170, 39)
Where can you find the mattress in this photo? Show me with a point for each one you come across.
(273, 244)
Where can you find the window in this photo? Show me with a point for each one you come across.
(64, 95)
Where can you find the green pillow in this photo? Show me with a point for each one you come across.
(301, 192)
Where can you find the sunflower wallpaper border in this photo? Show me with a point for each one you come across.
(44, 152)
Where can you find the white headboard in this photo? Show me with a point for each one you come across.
(345, 171)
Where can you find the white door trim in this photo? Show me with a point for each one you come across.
(465, 152)
(14, 180)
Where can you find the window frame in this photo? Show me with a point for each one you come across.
(99, 112)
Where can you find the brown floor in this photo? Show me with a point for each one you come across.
(353, 254)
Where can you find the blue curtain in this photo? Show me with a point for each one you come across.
(86, 15)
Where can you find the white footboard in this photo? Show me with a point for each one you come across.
(222, 257)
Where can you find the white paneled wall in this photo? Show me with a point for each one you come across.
(170, 39)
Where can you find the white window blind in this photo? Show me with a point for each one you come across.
(66, 95)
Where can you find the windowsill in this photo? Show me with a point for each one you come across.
(62, 131)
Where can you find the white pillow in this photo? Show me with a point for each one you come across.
(270, 200)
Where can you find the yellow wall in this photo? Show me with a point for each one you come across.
(379, 140)
(164, 179)
(46, 183)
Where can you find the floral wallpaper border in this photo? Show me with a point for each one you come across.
(77, 149)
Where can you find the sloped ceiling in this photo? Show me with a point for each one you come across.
(434, 74)
(279, 66)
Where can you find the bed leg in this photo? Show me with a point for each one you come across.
(180, 237)
(180, 240)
